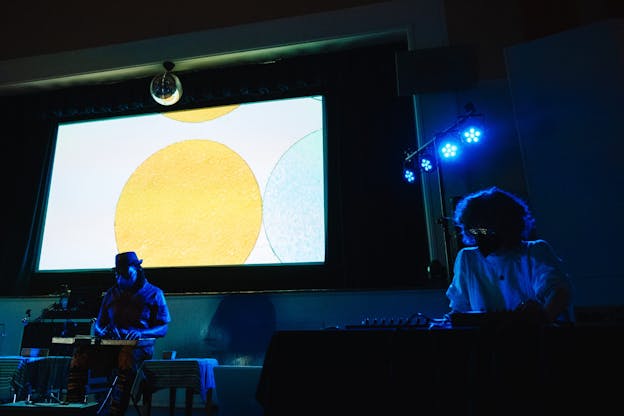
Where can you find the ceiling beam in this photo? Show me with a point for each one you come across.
(420, 21)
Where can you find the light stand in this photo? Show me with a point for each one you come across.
(431, 164)
(470, 112)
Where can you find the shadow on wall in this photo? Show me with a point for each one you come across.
(241, 329)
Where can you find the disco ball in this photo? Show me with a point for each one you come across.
(166, 88)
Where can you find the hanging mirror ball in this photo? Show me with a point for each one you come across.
(166, 89)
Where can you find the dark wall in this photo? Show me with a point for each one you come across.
(69, 25)
(567, 90)
(491, 25)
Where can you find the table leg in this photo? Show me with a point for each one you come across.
(189, 402)
(147, 403)
(209, 402)
(172, 401)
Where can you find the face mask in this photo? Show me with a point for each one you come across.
(488, 244)
(126, 277)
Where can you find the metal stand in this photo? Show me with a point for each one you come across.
(108, 395)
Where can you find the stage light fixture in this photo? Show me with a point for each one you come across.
(471, 135)
(166, 88)
(449, 149)
(473, 126)
(409, 173)
(427, 162)
(445, 145)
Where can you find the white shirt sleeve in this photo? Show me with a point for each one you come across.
(547, 270)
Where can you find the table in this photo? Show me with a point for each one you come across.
(194, 374)
(457, 371)
(37, 375)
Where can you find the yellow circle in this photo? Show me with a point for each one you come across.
(201, 114)
(193, 203)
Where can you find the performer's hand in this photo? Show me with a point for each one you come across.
(133, 334)
(112, 332)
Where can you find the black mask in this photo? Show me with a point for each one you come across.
(488, 244)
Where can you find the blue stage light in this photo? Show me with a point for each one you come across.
(471, 135)
(409, 175)
(426, 162)
(449, 150)
(446, 145)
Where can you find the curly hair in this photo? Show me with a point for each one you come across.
(495, 209)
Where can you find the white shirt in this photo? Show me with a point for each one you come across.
(501, 281)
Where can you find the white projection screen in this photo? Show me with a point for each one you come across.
(240, 184)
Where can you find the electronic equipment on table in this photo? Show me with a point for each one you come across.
(416, 320)
(89, 340)
(451, 320)
(493, 319)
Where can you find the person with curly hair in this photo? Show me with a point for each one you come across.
(501, 269)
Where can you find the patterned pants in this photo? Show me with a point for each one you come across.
(105, 360)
